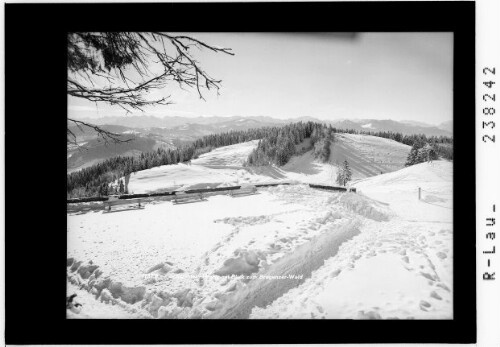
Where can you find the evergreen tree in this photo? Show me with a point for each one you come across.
(422, 155)
(412, 156)
(344, 174)
(340, 176)
(347, 172)
(103, 189)
(430, 153)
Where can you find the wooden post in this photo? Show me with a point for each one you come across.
(419, 193)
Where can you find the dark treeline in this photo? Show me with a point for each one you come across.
(93, 181)
(279, 143)
(276, 146)
(441, 145)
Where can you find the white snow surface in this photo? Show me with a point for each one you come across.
(163, 249)
(400, 268)
(380, 253)
(367, 156)
(233, 155)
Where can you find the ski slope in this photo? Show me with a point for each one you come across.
(367, 156)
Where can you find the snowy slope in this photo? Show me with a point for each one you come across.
(287, 252)
(143, 259)
(367, 156)
(400, 268)
(234, 155)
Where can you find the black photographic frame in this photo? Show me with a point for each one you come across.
(36, 105)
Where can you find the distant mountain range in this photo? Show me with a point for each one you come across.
(150, 133)
(447, 126)
(199, 126)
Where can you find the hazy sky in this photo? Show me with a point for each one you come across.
(399, 76)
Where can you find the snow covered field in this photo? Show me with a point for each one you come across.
(367, 155)
(285, 252)
(399, 268)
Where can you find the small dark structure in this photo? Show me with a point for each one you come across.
(243, 191)
(117, 201)
(341, 189)
(185, 198)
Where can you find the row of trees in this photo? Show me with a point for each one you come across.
(276, 146)
(89, 181)
(442, 145)
(107, 189)
(421, 153)
(279, 144)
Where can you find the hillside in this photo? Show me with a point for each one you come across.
(95, 150)
(92, 149)
(278, 254)
(397, 269)
(170, 132)
(367, 155)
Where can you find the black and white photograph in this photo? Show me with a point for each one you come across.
(191, 173)
(260, 175)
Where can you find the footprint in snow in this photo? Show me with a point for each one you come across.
(355, 257)
(335, 273)
(424, 305)
(444, 286)
(371, 254)
(436, 296)
(427, 275)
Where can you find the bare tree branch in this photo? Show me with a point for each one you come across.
(117, 69)
(107, 136)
